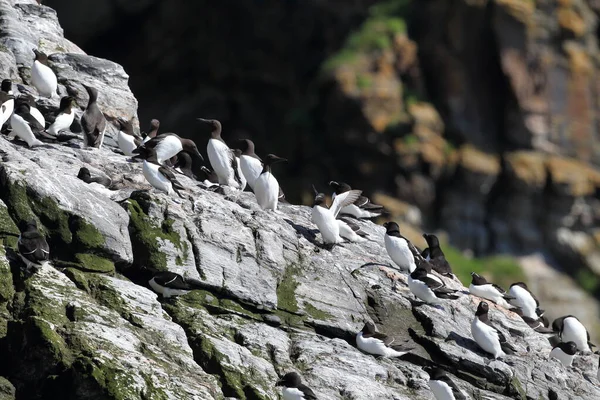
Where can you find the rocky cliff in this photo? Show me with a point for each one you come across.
(275, 300)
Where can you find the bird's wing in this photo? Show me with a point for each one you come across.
(167, 173)
(234, 164)
(433, 284)
(33, 246)
(34, 124)
(344, 199)
(308, 393)
(498, 288)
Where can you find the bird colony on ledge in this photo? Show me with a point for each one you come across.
(165, 155)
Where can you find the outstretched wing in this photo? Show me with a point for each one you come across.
(344, 199)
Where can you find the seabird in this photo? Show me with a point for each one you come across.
(159, 176)
(429, 289)
(184, 164)
(490, 339)
(361, 208)
(127, 139)
(221, 157)
(35, 113)
(442, 387)
(376, 343)
(294, 389)
(525, 300)
(32, 245)
(93, 121)
(42, 76)
(170, 284)
(537, 324)
(569, 329)
(489, 291)
(564, 352)
(266, 187)
(436, 256)
(166, 146)
(398, 247)
(250, 163)
(154, 125)
(350, 231)
(325, 218)
(211, 178)
(64, 116)
(84, 175)
(7, 101)
(25, 126)
(239, 175)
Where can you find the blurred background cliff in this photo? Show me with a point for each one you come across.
(476, 119)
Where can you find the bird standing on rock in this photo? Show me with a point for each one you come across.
(482, 288)
(436, 256)
(167, 146)
(570, 329)
(398, 247)
(93, 121)
(154, 125)
(42, 76)
(325, 217)
(489, 338)
(161, 177)
(127, 139)
(294, 389)
(361, 208)
(266, 187)
(525, 300)
(376, 343)
(428, 288)
(564, 352)
(170, 284)
(442, 387)
(32, 245)
(250, 163)
(64, 117)
(24, 126)
(221, 157)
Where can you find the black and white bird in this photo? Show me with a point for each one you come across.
(237, 153)
(525, 300)
(482, 288)
(294, 389)
(184, 164)
(35, 113)
(442, 387)
(166, 146)
(398, 247)
(85, 175)
(361, 208)
(250, 163)
(266, 187)
(537, 324)
(93, 121)
(159, 176)
(570, 329)
(32, 245)
(64, 116)
(489, 338)
(429, 289)
(24, 126)
(564, 352)
(221, 157)
(127, 139)
(153, 131)
(376, 343)
(435, 255)
(210, 178)
(42, 76)
(7, 105)
(170, 284)
(326, 217)
(350, 230)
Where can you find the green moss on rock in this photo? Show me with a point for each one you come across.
(86, 235)
(286, 290)
(94, 263)
(316, 313)
(9, 231)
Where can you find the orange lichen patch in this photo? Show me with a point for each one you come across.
(346, 78)
(579, 61)
(391, 274)
(521, 10)
(581, 178)
(406, 52)
(565, 3)
(528, 166)
(478, 161)
(425, 114)
(571, 21)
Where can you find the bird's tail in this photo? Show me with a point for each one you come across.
(508, 348)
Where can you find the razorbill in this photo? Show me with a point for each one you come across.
(170, 284)
(442, 387)
(32, 245)
(159, 176)
(24, 126)
(221, 157)
(42, 76)
(482, 288)
(490, 339)
(239, 175)
(564, 352)
(154, 125)
(250, 163)
(64, 116)
(210, 178)
(7, 101)
(537, 324)
(127, 139)
(325, 217)
(398, 247)
(294, 389)
(184, 164)
(525, 300)
(35, 113)
(569, 329)
(435, 255)
(350, 231)
(428, 289)
(166, 146)
(361, 208)
(376, 343)
(93, 121)
(85, 175)
(266, 187)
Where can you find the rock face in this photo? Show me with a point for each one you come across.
(87, 326)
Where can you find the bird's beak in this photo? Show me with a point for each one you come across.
(333, 183)
(197, 152)
(425, 235)
(279, 159)
(385, 224)
(279, 383)
(201, 119)
(315, 189)
(474, 274)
